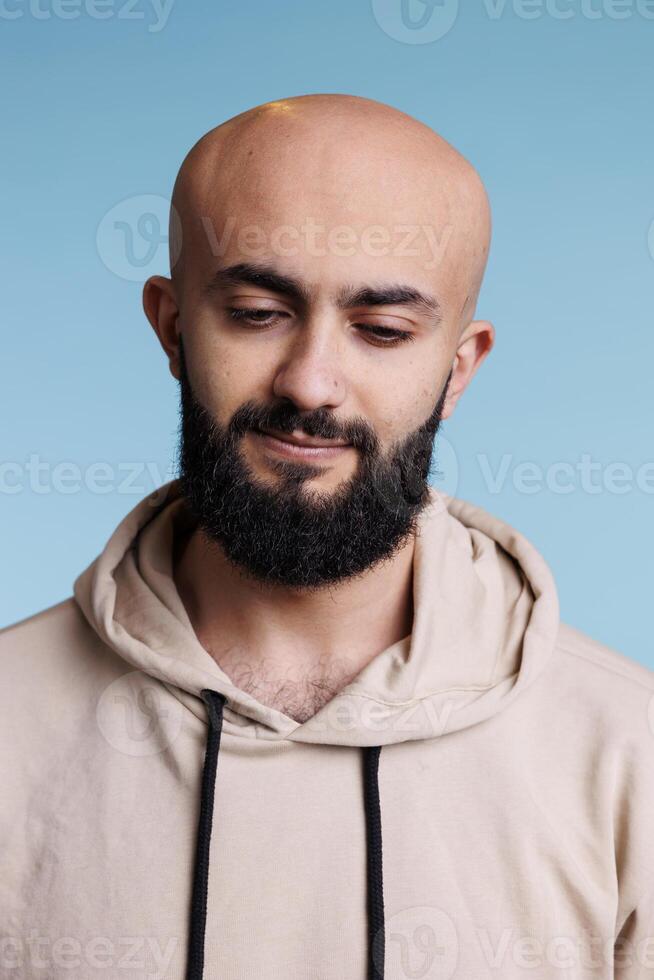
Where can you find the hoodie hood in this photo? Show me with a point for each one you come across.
(486, 618)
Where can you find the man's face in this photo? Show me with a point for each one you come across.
(318, 295)
(277, 254)
(379, 361)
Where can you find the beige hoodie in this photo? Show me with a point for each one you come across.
(477, 803)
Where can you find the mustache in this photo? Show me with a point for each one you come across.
(319, 424)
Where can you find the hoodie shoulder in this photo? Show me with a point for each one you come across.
(55, 620)
(608, 694)
(597, 657)
(52, 639)
(611, 697)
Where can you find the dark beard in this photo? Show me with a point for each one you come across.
(290, 534)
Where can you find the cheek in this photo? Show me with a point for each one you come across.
(396, 406)
(224, 373)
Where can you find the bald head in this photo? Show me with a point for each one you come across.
(370, 177)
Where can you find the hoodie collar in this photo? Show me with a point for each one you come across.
(486, 616)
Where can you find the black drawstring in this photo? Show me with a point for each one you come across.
(195, 958)
(376, 938)
(375, 885)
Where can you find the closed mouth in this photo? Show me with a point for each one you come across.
(299, 445)
(303, 441)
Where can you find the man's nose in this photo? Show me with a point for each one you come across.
(311, 373)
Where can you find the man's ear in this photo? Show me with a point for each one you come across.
(160, 306)
(474, 345)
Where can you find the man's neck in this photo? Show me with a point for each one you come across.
(291, 651)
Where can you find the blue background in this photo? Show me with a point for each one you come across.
(555, 112)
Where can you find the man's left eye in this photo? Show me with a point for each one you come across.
(386, 336)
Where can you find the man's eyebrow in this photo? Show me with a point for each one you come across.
(266, 277)
(391, 295)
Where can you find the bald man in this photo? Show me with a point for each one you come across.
(305, 715)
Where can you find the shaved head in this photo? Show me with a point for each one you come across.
(341, 161)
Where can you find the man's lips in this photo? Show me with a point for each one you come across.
(299, 444)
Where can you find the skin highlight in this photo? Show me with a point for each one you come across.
(248, 198)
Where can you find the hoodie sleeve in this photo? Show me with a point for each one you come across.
(633, 953)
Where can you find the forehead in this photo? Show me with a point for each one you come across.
(288, 181)
(331, 210)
